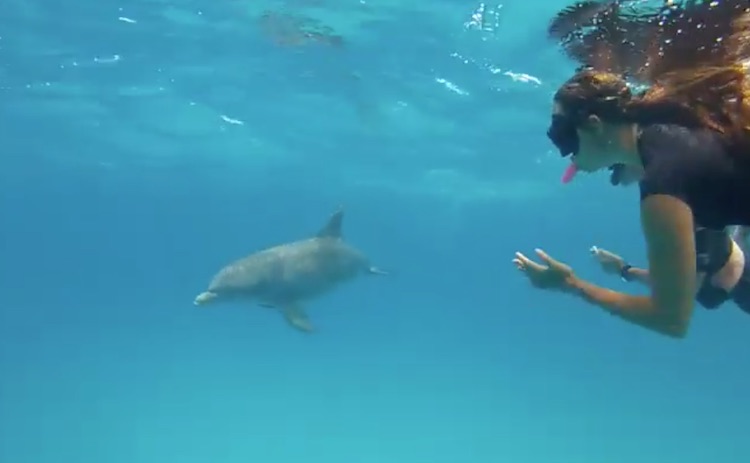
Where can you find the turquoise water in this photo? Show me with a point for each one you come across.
(147, 143)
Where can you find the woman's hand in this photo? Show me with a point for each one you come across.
(555, 275)
(610, 263)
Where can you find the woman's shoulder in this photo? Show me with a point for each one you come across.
(677, 160)
(675, 143)
(654, 133)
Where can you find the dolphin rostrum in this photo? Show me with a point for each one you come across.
(286, 276)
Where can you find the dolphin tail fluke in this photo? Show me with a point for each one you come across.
(297, 317)
(332, 228)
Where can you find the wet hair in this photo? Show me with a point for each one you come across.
(693, 57)
(605, 35)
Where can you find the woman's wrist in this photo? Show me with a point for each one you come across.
(586, 291)
(573, 285)
(625, 272)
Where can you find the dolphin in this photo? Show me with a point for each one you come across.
(287, 276)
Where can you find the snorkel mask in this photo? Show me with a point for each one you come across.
(562, 133)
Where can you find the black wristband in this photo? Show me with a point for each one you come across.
(625, 272)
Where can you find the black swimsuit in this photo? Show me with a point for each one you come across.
(696, 166)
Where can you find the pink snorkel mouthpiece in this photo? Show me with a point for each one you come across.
(569, 173)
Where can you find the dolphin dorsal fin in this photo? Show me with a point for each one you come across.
(332, 228)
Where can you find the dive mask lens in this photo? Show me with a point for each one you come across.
(562, 133)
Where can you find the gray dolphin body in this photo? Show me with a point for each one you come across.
(286, 276)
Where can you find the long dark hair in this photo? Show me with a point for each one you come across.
(693, 56)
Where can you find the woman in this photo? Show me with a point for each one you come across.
(689, 134)
(723, 271)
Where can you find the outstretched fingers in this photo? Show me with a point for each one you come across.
(523, 262)
(557, 265)
(545, 257)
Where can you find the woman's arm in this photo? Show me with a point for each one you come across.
(613, 264)
(639, 275)
(667, 224)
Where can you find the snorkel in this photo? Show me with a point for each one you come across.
(569, 173)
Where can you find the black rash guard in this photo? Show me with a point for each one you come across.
(695, 166)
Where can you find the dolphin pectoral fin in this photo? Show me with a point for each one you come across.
(204, 297)
(266, 305)
(297, 317)
(376, 271)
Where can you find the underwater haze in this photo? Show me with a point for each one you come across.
(145, 144)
